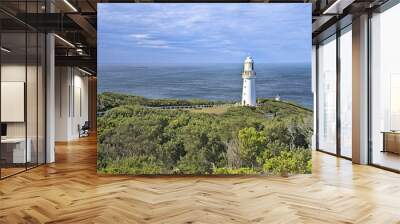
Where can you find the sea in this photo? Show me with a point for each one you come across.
(218, 82)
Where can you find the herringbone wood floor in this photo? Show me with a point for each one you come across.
(69, 191)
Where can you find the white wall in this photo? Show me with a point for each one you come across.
(12, 73)
(33, 126)
(71, 102)
(17, 73)
(80, 110)
(62, 82)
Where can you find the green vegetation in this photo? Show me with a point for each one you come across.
(107, 101)
(273, 138)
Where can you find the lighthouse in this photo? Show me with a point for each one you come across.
(249, 83)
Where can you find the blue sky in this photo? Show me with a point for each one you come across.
(203, 33)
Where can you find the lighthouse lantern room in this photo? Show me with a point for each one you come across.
(249, 83)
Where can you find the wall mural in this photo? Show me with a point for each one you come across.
(198, 89)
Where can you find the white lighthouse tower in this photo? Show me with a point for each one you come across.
(249, 83)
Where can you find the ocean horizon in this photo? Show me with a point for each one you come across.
(217, 82)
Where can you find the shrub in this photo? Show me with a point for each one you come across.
(134, 165)
(239, 171)
(252, 143)
(289, 162)
(135, 139)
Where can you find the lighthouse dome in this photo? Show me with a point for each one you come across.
(248, 65)
(248, 60)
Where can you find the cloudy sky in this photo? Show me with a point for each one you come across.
(203, 33)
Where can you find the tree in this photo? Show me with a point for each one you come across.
(233, 153)
(289, 162)
(252, 143)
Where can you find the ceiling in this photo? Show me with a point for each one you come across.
(75, 21)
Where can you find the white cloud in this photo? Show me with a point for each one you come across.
(146, 40)
(140, 36)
